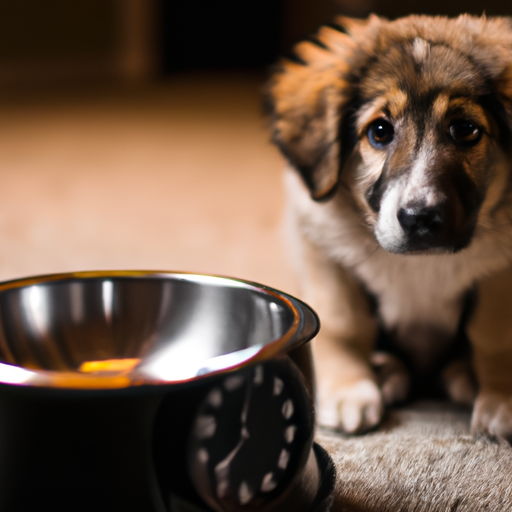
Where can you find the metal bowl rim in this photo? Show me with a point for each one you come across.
(16, 375)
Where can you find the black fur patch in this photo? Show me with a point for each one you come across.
(293, 57)
(316, 42)
(337, 27)
(376, 191)
(495, 107)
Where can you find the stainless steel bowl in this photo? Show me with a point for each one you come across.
(134, 328)
(102, 375)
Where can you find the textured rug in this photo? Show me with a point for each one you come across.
(421, 459)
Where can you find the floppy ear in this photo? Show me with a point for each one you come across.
(308, 96)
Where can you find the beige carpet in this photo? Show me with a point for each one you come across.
(179, 175)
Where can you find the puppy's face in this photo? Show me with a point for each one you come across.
(427, 144)
(414, 122)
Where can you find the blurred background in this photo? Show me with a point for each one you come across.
(132, 133)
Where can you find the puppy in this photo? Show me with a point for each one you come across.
(399, 186)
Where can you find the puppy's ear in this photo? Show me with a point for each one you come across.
(307, 98)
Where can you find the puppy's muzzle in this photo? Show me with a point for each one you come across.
(439, 226)
(423, 225)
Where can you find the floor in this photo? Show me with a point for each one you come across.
(178, 175)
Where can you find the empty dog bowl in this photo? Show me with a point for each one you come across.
(136, 390)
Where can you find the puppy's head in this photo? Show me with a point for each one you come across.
(412, 116)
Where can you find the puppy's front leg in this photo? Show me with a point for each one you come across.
(348, 395)
(490, 332)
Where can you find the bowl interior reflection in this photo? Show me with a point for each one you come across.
(164, 321)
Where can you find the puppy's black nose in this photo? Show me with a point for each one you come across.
(421, 220)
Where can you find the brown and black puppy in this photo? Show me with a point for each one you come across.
(399, 188)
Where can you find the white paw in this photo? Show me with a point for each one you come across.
(492, 415)
(352, 409)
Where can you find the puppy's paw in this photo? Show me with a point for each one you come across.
(492, 415)
(459, 382)
(392, 376)
(352, 409)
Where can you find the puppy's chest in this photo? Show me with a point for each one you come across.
(420, 306)
(414, 293)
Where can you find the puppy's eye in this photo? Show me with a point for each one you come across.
(380, 133)
(465, 132)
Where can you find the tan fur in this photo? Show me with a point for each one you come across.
(323, 107)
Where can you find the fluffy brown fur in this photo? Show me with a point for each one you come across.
(399, 205)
